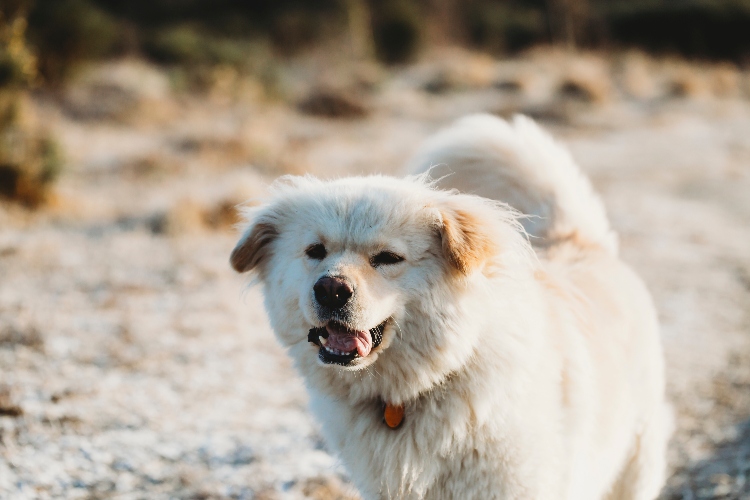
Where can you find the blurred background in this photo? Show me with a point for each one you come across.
(134, 364)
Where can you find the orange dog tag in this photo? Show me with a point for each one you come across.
(393, 415)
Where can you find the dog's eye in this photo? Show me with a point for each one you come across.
(385, 258)
(316, 251)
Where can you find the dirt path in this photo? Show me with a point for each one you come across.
(132, 365)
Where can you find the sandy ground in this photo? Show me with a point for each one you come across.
(135, 365)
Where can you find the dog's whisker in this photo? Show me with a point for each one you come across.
(399, 329)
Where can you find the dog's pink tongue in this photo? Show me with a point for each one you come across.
(347, 341)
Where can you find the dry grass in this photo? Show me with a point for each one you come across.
(8, 404)
(126, 91)
(215, 151)
(587, 79)
(515, 76)
(30, 160)
(327, 488)
(458, 70)
(330, 103)
(594, 78)
(188, 216)
(725, 81)
(686, 82)
(21, 335)
(635, 73)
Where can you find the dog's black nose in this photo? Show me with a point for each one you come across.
(332, 292)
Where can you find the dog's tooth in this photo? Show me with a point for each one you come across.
(323, 341)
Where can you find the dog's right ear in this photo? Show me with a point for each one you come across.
(253, 249)
(466, 229)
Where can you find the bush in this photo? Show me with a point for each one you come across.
(68, 32)
(397, 29)
(28, 177)
(17, 63)
(500, 28)
(189, 33)
(29, 158)
(187, 45)
(716, 29)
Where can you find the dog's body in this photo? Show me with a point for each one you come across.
(520, 377)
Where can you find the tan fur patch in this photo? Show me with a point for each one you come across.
(466, 244)
(252, 249)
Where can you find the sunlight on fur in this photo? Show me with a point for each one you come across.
(523, 371)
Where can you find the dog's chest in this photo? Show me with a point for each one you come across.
(411, 457)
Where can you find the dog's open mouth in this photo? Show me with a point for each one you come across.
(341, 345)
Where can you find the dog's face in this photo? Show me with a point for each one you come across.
(354, 284)
(345, 263)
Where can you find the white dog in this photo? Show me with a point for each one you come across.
(447, 358)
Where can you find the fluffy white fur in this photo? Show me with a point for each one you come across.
(526, 373)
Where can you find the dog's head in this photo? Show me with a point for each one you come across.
(354, 268)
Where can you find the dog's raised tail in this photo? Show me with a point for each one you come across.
(520, 164)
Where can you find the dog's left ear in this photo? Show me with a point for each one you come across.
(253, 249)
(465, 232)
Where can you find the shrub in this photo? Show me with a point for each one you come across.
(715, 29)
(29, 158)
(65, 33)
(396, 28)
(17, 63)
(185, 44)
(500, 28)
